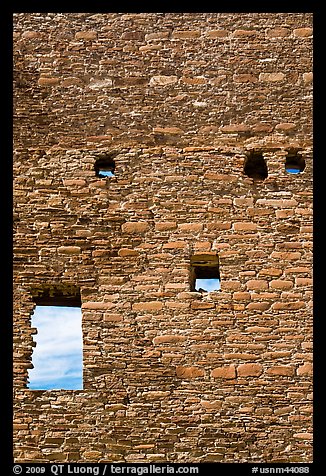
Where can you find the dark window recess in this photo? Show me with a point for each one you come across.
(205, 273)
(255, 166)
(104, 167)
(57, 295)
(294, 163)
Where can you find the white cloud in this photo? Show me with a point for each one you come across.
(57, 357)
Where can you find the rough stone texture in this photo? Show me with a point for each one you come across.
(178, 100)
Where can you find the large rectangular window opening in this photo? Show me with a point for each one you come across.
(58, 352)
(205, 273)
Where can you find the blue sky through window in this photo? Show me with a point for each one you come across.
(291, 170)
(105, 173)
(212, 284)
(58, 355)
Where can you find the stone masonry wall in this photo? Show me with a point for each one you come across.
(179, 101)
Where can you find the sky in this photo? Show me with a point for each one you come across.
(57, 357)
(208, 284)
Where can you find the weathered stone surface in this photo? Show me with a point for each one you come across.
(271, 77)
(189, 372)
(249, 370)
(134, 227)
(162, 80)
(282, 370)
(176, 102)
(147, 306)
(226, 372)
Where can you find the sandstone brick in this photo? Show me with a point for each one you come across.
(244, 33)
(165, 225)
(112, 318)
(92, 455)
(243, 202)
(216, 33)
(133, 35)
(240, 356)
(167, 130)
(175, 245)
(245, 78)
(303, 281)
(220, 177)
(125, 252)
(249, 370)
(284, 213)
(286, 255)
(241, 296)
(302, 32)
(257, 284)
(227, 372)
(163, 80)
(74, 182)
(189, 372)
(276, 355)
(146, 48)
(270, 272)
(202, 305)
(231, 285)
(86, 35)
(235, 128)
(259, 329)
(271, 77)
(284, 410)
(96, 305)
(282, 306)
(262, 127)
(307, 77)
(143, 447)
(196, 227)
(160, 35)
(218, 225)
(29, 35)
(69, 250)
(173, 338)
(194, 80)
(102, 138)
(279, 32)
(282, 370)
(185, 34)
(100, 83)
(280, 284)
(48, 81)
(245, 226)
(303, 436)
(285, 126)
(211, 404)
(305, 369)
(147, 306)
(134, 227)
(258, 306)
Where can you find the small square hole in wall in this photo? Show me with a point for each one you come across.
(294, 163)
(205, 273)
(58, 350)
(255, 166)
(104, 167)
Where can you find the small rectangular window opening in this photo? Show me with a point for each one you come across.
(205, 273)
(294, 163)
(58, 353)
(104, 167)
